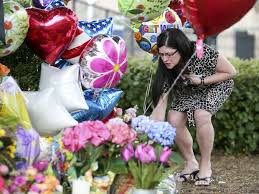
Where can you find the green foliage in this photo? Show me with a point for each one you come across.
(135, 83)
(237, 122)
(25, 68)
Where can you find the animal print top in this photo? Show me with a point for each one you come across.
(188, 98)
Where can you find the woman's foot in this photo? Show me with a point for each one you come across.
(203, 178)
(189, 172)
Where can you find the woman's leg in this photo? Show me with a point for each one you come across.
(205, 139)
(183, 139)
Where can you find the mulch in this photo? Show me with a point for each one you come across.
(232, 175)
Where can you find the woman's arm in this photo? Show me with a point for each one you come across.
(224, 71)
(158, 114)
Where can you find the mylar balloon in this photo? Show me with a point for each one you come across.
(211, 17)
(16, 24)
(142, 10)
(101, 103)
(41, 3)
(55, 3)
(93, 28)
(103, 62)
(177, 6)
(147, 35)
(51, 32)
(72, 54)
(86, 30)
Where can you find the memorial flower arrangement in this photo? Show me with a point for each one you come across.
(150, 154)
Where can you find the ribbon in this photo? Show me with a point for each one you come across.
(2, 30)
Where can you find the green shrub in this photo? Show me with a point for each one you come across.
(237, 123)
(25, 68)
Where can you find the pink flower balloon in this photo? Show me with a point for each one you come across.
(103, 62)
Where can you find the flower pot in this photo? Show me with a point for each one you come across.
(80, 186)
(144, 191)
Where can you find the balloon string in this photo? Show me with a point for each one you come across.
(174, 83)
(145, 108)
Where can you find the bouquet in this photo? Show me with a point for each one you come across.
(149, 157)
(96, 149)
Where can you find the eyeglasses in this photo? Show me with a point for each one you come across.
(167, 54)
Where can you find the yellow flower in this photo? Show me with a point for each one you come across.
(2, 132)
(11, 148)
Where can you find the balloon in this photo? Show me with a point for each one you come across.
(85, 31)
(24, 3)
(147, 35)
(55, 3)
(211, 17)
(178, 7)
(72, 54)
(101, 103)
(41, 3)
(142, 11)
(65, 82)
(103, 62)
(47, 114)
(51, 32)
(93, 28)
(16, 24)
(61, 63)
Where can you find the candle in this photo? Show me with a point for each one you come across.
(80, 186)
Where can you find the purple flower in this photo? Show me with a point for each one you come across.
(41, 165)
(20, 181)
(166, 153)
(127, 152)
(28, 146)
(145, 153)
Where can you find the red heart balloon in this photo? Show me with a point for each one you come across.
(50, 32)
(210, 17)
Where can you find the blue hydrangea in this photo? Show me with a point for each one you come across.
(162, 133)
(141, 123)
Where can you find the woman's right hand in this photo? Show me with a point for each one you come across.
(159, 112)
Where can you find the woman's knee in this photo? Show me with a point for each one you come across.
(202, 117)
(176, 118)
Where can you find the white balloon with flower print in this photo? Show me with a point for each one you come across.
(103, 62)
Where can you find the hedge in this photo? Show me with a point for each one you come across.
(236, 124)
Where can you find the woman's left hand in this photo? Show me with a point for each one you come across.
(195, 79)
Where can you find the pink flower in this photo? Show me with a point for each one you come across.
(1, 184)
(100, 133)
(166, 153)
(35, 188)
(112, 66)
(121, 133)
(41, 165)
(20, 181)
(75, 138)
(39, 178)
(145, 153)
(127, 153)
(3, 169)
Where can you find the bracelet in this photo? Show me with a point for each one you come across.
(202, 81)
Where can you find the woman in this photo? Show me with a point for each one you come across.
(203, 87)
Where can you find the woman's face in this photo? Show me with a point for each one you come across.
(169, 56)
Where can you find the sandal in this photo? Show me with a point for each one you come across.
(203, 181)
(188, 176)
